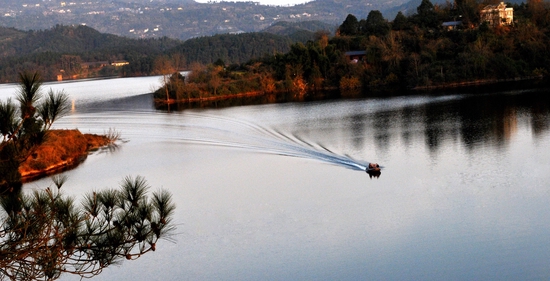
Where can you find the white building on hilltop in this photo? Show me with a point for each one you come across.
(497, 15)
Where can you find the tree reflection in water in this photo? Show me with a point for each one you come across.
(46, 234)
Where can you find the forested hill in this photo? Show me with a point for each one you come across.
(83, 52)
(240, 48)
(292, 28)
(233, 49)
(74, 39)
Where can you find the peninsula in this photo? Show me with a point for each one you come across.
(62, 149)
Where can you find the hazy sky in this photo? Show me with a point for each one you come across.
(265, 2)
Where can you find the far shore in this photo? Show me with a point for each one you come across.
(441, 86)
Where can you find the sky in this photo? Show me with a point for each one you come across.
(265, 2)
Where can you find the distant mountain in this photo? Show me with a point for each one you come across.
(181, 19)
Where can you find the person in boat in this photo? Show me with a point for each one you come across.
(373, 167)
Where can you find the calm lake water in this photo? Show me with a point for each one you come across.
(276, 191)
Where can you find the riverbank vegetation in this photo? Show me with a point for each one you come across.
(44, 234)
(374, 54)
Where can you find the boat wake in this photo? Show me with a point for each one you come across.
(229, 132)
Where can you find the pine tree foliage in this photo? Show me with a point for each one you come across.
(45, 234)
(23, 125)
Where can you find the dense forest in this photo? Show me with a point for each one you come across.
(415, 51)
(232, 48)
(74, 52)
(82, 52)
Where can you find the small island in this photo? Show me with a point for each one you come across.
(29, 147)
(62, 149)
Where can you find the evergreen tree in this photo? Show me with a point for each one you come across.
(376, 24)
(46, 234)
(426, 15)
(350, 26)
(400, 22)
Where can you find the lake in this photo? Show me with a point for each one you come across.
(279, 192)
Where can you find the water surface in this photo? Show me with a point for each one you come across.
(276, 191)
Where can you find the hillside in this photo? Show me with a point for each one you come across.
(82, 52)
(178, 19)
(288, 28)
(66, 40)
(232, 49)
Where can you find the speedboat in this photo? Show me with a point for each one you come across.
(373, 167)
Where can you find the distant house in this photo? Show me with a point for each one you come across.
(93, 64)
(451, 25)
(355, 56)
(119, 63)
(496, 15)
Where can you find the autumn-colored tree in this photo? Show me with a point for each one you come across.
(268, 83)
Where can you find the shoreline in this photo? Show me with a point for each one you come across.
(212, 98)
(474, 83)
(364, 91)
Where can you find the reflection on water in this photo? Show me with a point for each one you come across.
(267, 98)
(472, 120)
(451, 205)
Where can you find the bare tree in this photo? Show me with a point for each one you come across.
(164, 66)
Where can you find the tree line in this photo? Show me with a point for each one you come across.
(418, 51)
(81, 52)
(414, 51)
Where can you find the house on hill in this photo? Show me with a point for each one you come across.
(496, 15)
(119, 63)
(451, 25)
(355, 56)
